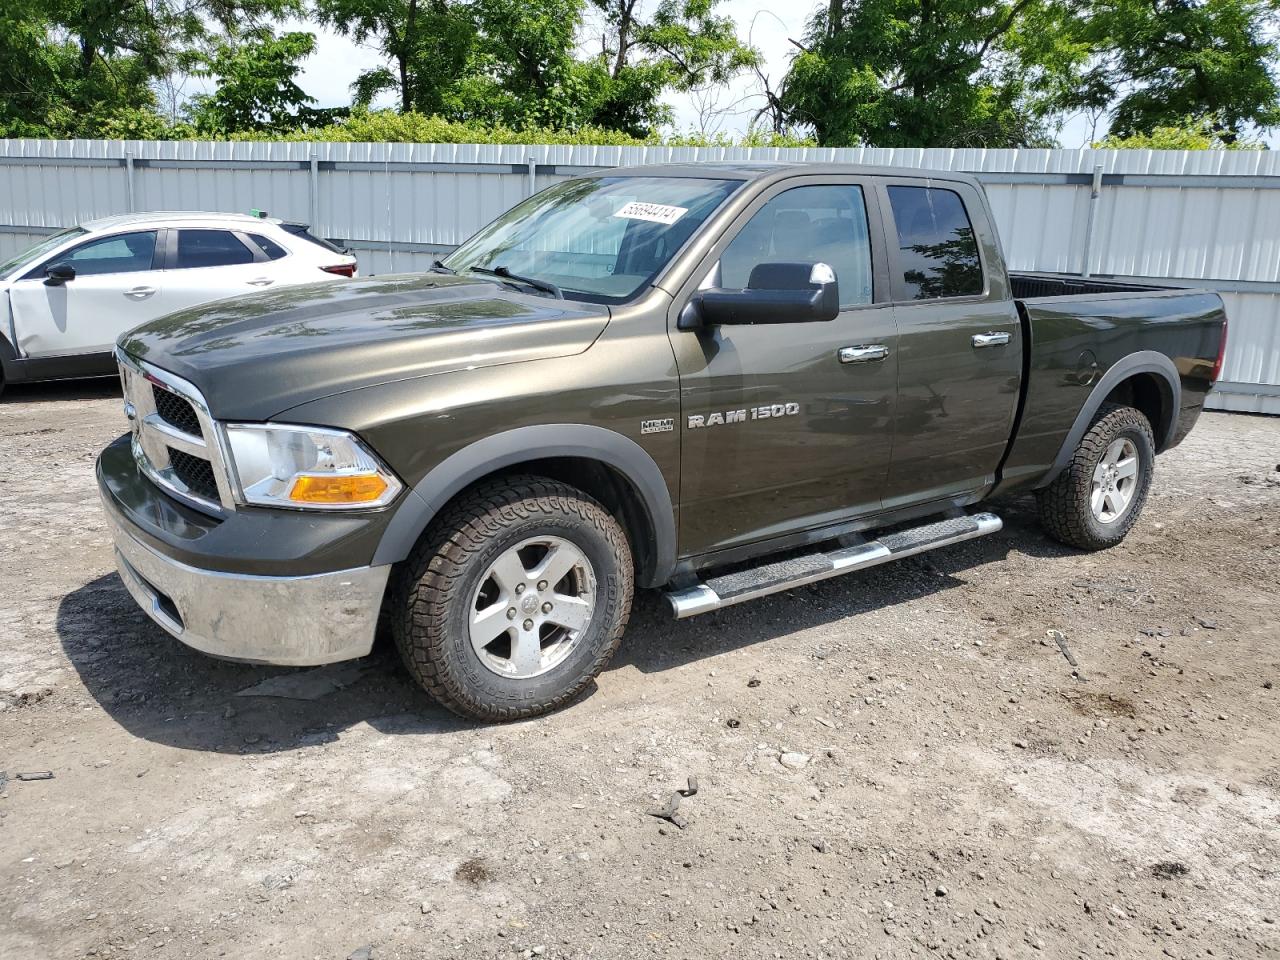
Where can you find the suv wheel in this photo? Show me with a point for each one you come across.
(514, 600)
(1095, 501)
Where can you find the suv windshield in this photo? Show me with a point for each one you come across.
(37, 250)
(600, 239)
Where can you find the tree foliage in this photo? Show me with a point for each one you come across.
(1153, 63)
(899, 73)
(30, 69)
(75, 68)
(1002, 72)
(1203, 133)
(428, 43)
(391, 126)
(257, 87)
(517, 63)
(681, 45)
(982, 73)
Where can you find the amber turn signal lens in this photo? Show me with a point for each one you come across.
(359, 489)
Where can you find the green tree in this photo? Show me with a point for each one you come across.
(256, 85)
(902, 73)
(523, 71)
(29, 69)
(429, 44)
(78, 68)
(681, 45)
(153, 32)
(1204, 133)
(1153, 63)
(514, 62)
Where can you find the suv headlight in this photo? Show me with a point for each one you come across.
(309, 468)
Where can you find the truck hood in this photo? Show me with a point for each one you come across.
(255, 356)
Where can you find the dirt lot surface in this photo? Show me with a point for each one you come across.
(896, 763)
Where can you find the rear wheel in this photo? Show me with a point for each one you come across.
(1097, 499)
(514, 600)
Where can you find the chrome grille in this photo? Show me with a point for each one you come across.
(176, 411)
(176, 442)
(195, 472)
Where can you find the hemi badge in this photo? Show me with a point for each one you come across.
(665, 425)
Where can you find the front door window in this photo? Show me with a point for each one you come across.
(820, 223)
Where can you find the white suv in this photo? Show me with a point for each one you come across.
(64, 301)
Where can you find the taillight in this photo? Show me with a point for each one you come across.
(1222, 353)
(341, 269)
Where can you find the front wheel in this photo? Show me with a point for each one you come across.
(1096, 500)
(514, 600)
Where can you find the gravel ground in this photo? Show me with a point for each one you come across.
(901, 762)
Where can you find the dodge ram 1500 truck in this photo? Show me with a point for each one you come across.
(718, 380)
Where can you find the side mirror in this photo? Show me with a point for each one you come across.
(785, 292)
(59, 273)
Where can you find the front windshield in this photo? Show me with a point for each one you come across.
(37, 250)
(600, 239)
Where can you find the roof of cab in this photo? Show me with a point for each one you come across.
(778, 170)
(132, 219)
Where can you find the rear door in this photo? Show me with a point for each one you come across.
(780, 432)
(206, 264)
(116, 288)
(959, 341)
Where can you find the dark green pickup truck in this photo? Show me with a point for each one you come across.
(664, 377)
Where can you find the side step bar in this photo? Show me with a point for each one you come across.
(731, 588)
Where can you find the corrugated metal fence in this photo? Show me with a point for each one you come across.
(1202, 218)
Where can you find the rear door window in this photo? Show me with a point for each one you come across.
(937, 249)
(120, 253)
(210, 248)
(821, 223)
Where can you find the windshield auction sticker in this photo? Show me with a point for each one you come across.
(653, 212)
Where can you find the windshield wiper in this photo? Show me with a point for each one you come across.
(546, 286)
(437, 266)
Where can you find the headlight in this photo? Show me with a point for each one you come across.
(307, 468)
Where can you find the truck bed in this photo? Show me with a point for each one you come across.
(1036, 286)
(1076, 328)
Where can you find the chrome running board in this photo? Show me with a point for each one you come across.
(731, 588)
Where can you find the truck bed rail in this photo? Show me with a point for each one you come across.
(1027, 286)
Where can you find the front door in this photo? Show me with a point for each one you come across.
(114, 290)
(788, 426)
(959, 343)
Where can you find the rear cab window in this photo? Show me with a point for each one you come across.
(937, 250)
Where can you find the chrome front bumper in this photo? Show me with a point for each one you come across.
(294, 621)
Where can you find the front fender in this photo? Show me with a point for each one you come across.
(521, 445)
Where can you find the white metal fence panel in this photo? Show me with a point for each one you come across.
(1203, 218)
(1042, 227)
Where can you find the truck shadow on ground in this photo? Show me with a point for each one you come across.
(161, 691)
(89, 388)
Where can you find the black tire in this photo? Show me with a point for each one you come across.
(433, 595)
(1065, 507)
